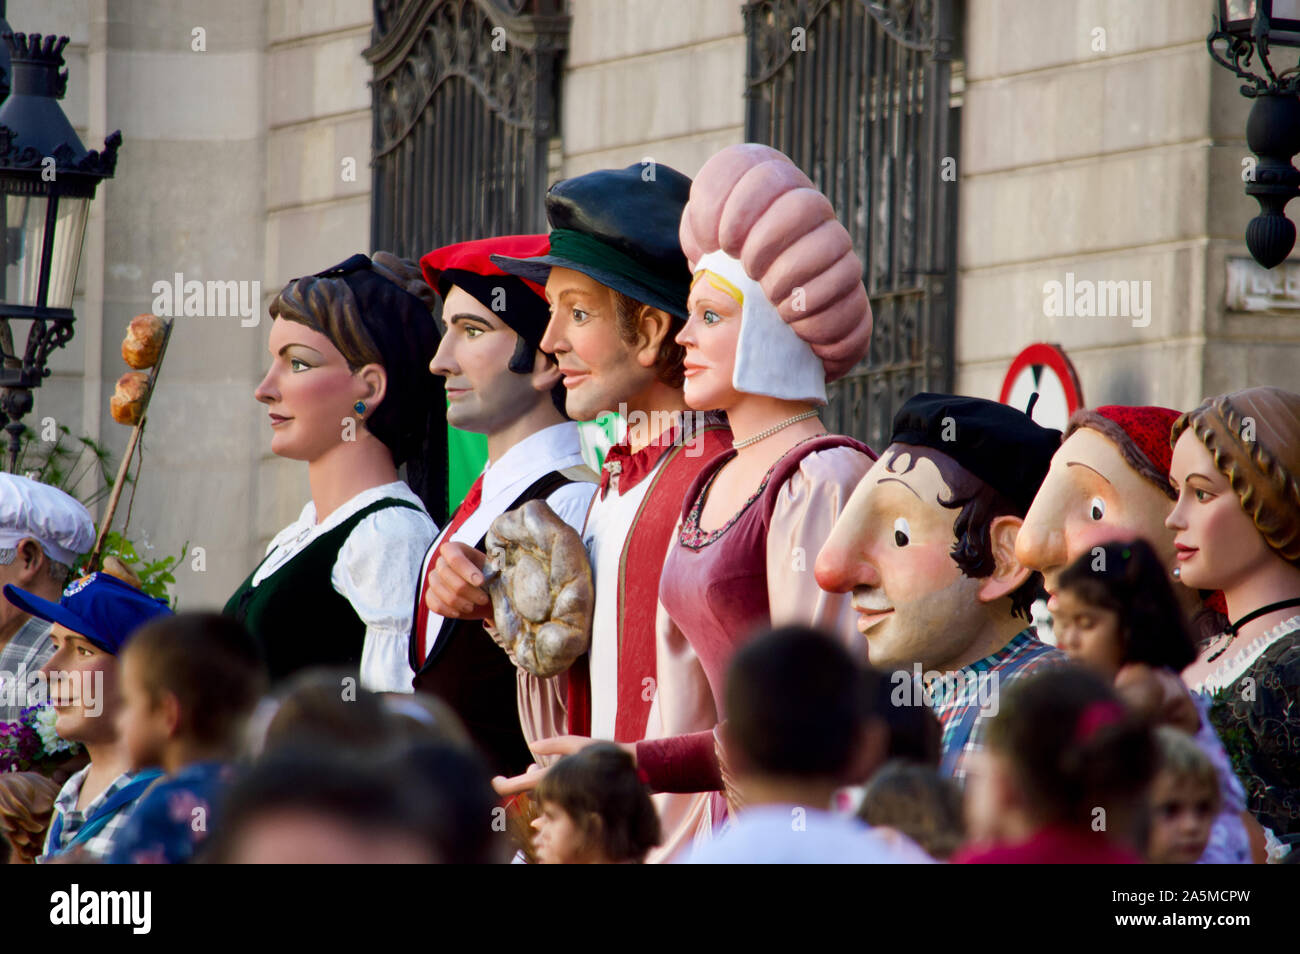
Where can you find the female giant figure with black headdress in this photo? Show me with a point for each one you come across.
(350, 393)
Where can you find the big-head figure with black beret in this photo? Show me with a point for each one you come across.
(501, 385)
(927, 546)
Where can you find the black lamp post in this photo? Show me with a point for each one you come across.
(1247, 29)
(47, 181)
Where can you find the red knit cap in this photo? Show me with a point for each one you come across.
(1148, 427)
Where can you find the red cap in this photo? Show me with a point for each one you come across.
(474, 257)
(1148, 428)
(521, 303)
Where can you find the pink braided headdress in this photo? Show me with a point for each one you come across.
(755, 205)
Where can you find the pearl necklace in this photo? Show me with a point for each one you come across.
(738, 445)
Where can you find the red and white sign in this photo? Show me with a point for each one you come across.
(1046, 370)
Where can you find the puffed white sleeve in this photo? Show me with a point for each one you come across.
(571, 501)
(377, 571)
(806, 509)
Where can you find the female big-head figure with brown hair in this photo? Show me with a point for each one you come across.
(349, 393)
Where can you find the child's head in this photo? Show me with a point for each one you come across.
(1184, 800)
(797, 709)
(917, 801)
(1115, 606)
(322, 707)
(594, 809)
(1063, 751)
(190, 679)
(91, 625)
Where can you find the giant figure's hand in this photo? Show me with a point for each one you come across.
(557, 745)
(456, 585)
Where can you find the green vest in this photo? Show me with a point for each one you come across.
(296, 616)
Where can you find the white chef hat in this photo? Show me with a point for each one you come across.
(771, 359)
(31, 509)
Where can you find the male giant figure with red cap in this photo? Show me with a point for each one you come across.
(498, 384)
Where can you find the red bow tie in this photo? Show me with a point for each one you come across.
(630, 468)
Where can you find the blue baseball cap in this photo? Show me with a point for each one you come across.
(100, 607)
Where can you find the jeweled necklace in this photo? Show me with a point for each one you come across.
(738, 445)
(1235, 628)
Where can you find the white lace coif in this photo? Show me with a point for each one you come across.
(770, 358)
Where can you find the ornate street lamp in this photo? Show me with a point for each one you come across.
(1246, 31)
(47, 180)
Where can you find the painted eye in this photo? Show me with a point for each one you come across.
(711, 317)
(902, 532)
(1096, 508)
(297, 364)
(579, 316)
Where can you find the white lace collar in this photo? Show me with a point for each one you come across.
(1238, 659)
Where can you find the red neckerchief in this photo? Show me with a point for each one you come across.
(630, 468)
(463, 513)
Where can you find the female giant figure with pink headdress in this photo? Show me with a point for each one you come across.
(777, 308)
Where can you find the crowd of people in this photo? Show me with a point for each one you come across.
(742, 640)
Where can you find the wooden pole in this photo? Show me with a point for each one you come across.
(107, 523)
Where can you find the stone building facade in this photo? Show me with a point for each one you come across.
(1098, 141)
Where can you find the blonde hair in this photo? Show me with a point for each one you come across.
(1182, 758)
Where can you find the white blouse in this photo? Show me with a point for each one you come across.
(377, 571)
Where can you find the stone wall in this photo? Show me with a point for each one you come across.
(1100, 140)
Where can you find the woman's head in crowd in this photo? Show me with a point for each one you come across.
(595, 810)
(1064, 752)
(1184, 800)
(1115, 606)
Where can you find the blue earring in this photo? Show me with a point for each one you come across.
(359, 407)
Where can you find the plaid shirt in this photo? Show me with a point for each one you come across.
(67, 821)
(966, 699)
(25, 653)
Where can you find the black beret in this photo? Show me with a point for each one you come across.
(997, 443)
(620, 227)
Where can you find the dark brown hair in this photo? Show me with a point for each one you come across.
(668, 363)
(212, 666)
(1073, 747)
(977, 504)
(599, 789)
(1129, 580)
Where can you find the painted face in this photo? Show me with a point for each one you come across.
(1091, 497)
(11, 617)
(1089, 634)
(141, 723)
(600, 369)
(483, 395)
(989, 780)
(559, 840)
(891, 547)
(1218, 546)
(1182, 815)
(83, 688)
(309, 391)
(302, 836)
(710, 336)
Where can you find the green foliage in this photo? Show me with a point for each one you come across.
(66, 462)
(155, 575)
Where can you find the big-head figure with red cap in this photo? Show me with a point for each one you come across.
(499, 384)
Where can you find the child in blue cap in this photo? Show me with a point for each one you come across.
(92, 622)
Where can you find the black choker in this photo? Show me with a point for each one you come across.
(1234, 628)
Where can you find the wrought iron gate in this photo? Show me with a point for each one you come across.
(465, 96)
(860, 95)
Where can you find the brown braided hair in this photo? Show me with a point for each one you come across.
(1269, 490)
